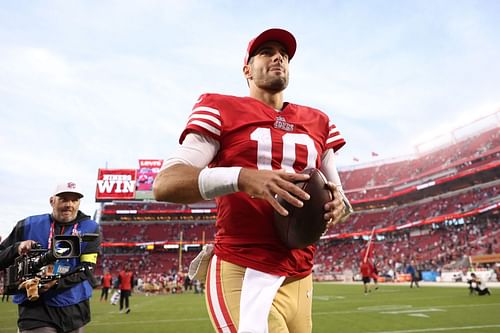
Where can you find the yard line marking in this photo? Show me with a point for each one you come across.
(384, 307)
(375, 309)
(327, 298)
(322, 298)
(418, 315)
(441, 329)
(414, 311)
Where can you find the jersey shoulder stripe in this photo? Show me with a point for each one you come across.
(203, 117)
(335, 140)
(204, 125)
(206, 118)
(206, 109)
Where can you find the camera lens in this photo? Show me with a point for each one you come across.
(63, 248)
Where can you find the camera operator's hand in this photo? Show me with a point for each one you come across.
(46, 286)
(31, 287)
(25, 247)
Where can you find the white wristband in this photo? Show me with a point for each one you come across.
(214, 182)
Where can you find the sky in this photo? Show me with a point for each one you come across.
(98, 83)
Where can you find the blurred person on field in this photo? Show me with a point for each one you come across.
(414, 274)
(106, 282)
(126, 284)
(477, 285)
(367, 274)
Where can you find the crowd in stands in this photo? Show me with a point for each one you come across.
(378, 180)
(433, 247)
(151, 232)
(443, 204)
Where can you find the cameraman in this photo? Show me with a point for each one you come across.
(63, 305)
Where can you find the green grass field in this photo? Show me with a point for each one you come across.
(336, 308)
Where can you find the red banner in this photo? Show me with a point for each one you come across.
(148, 169)
(115, 184)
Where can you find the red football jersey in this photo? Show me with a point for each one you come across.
(126, 280)
(106, 280)
(252, 134)
(366, 269)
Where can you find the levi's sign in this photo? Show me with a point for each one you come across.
(150, 164)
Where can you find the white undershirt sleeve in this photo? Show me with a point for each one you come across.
(329, 168)
(196, 150)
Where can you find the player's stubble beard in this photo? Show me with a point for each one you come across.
(270, 81)
(278, 84)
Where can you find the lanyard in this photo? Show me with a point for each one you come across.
(74, 232)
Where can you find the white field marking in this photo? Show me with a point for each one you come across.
(376, 309)
(418, 315)
(327, 298)
(135, 308)
(322, 298)
(384, 307)
(413, 311)
(443, 329)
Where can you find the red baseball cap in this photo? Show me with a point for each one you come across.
(275, 34)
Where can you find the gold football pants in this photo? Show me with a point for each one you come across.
(290, 311)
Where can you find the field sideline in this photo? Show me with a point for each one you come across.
(337, 307)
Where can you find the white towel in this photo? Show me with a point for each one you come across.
(257, 295)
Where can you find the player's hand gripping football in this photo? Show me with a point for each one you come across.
(267, 184)
(339, 209)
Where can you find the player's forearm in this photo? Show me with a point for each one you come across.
(177, 183)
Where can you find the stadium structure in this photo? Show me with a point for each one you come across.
(438, 206)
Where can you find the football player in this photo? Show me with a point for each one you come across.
(253, 147)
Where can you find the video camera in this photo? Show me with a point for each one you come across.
(35, 263)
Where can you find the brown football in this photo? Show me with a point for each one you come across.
(304, 226)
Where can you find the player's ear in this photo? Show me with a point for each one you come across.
(247, 72)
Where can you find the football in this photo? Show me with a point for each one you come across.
(304, 226)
